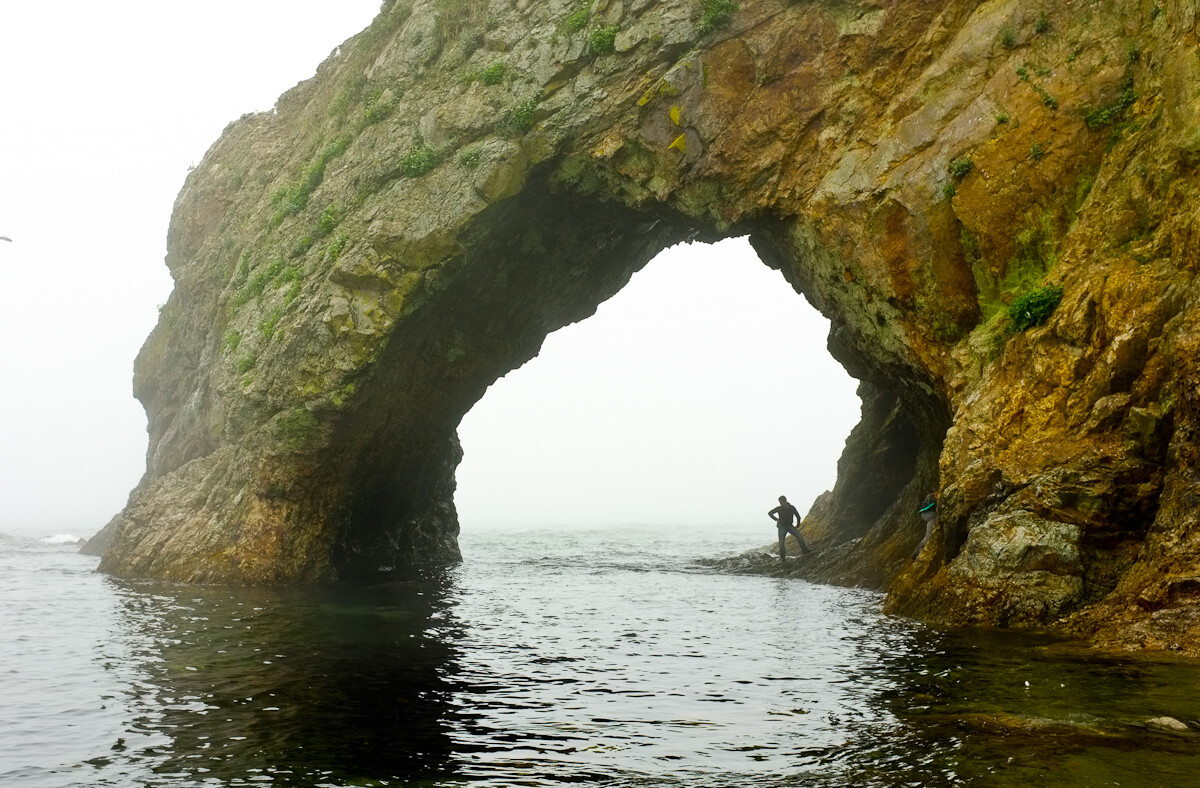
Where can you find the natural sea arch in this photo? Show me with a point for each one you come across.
(336, 495)
(354, 268)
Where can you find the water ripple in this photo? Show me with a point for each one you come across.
(548, 659)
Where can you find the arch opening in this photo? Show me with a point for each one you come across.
(544, 261)
(693, 397)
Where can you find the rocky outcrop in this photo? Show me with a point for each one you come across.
(993, 202)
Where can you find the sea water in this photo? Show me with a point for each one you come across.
(554, 657)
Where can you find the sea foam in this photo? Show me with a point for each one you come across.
(60, 539)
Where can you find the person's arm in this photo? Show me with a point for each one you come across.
(774, 513)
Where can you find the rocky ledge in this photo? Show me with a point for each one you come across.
(995, 203)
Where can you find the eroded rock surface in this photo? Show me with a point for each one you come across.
(354, 269)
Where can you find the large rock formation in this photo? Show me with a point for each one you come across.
(354, 268)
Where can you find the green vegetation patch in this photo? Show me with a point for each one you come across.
(1047, 99)
(336, 246)
(270, 323)
(960, 167)
(293, 273)
(493, 74)
(520, 118)
(378, 100)
(277, 273)
(293, 292)
(418, 160)
(328, 221)
(1034, 308)
(252, 289)
(232, 339)
(470, 157)
(602, 40)
(1023, 74)
(1104, 116)
(293, 198)
(716, 14)
(379, 107)
(577, 20)
(1036, 254)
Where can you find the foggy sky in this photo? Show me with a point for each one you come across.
(697, 395)
(694, 398)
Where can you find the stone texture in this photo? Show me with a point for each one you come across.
(354, 268)
(1019, 568)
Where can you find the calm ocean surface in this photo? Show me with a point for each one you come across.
(550, 658)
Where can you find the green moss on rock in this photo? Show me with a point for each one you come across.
(1035, 307)
(295, 429)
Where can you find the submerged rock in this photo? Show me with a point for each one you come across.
(994, 204)
(1169, 724)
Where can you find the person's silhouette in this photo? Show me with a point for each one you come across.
(783, 514)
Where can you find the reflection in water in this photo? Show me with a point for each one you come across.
(553, 658)
(242, 684)
(1024, 709)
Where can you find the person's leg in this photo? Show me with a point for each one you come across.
(782, 539)
(929, 523)
(804, 548)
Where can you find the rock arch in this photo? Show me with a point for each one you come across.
(354, 268)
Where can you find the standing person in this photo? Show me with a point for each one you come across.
(783, 515)
(928, 512)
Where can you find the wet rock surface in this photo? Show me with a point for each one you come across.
(994, 204)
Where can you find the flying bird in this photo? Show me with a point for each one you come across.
(5, 238)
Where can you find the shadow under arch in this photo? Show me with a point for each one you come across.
(353, 491)
(287, 685)
(545, 259)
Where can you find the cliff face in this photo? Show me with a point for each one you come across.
(994, 202)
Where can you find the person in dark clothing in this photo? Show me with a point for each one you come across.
(783, 514)
(928, 512)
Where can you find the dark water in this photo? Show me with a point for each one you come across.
(551, 658)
